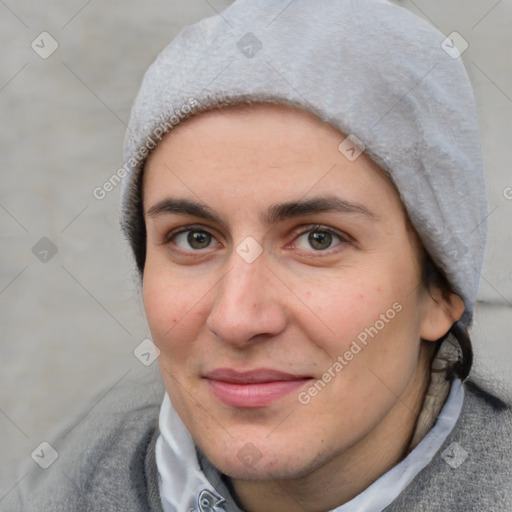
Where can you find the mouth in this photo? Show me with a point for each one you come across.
(254, 388)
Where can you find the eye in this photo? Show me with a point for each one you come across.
(194, 239)
(318, 239)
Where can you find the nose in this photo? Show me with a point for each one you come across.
(247, 306)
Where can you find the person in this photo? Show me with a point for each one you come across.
(306, 208)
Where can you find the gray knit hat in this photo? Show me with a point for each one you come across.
(388, 80)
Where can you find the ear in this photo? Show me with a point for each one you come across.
(442, 309)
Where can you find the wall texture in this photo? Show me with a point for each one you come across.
(70, 312)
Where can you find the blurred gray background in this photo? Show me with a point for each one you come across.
(71, 319)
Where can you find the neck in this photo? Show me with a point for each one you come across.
(348, 474)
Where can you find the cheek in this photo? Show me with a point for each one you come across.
(371, 316)
(172, 310)
(371, 357)
(347, 303)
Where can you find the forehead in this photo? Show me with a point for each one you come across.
(257, 152)
(273, 132)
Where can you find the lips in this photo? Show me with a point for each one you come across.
(254, 388)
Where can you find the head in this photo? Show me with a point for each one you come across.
(267, 251)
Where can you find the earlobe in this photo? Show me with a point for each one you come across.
(442, 310)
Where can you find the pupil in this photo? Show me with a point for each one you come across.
(320, 239)
(198, 239)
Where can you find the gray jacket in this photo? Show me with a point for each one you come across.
(107, 461)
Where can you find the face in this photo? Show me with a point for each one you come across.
(282, 287)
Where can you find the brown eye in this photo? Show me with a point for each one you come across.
(193, 239)
(199, 239)
(320, 240)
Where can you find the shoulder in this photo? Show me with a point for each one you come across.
(472, 471)
(485, 426)
(101, 462)
(494, 396)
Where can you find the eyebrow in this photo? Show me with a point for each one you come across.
(321, 204)
(276, 212)
(184, 207)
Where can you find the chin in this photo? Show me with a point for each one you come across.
(246, 462)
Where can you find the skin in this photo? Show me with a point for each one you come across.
(296, 308)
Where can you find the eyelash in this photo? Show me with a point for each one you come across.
(304, 230)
